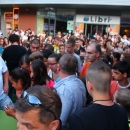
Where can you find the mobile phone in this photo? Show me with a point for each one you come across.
(6, 107)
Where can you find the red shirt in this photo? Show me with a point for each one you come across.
(85, 69)
(115, 86)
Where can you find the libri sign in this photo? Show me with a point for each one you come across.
(97, 19)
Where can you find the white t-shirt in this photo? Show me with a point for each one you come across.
(3, 69)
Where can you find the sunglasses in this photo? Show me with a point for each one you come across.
(35, 102)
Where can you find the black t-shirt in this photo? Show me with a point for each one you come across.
(99, 117)
(12, 55)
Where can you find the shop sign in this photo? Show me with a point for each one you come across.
(97, 19)
(8, 16)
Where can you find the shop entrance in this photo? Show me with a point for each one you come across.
(60, 26)
(91, 29)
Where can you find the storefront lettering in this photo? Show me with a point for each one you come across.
(100, 19)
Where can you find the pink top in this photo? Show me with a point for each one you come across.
(50, 84)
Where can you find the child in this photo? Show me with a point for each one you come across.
(20, 79)
(121, 73)
(39, 74)
(122, 97)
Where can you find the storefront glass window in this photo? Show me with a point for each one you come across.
(125, 23)
(56, 18)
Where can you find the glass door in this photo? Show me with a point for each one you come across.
(92, 29)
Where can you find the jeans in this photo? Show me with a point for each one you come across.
(4, 101)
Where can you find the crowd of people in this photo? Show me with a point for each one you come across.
(65, 82)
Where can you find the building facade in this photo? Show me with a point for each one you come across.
(89, 17)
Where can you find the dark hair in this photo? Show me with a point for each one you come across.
(4, 45)
(47, 97)
(61, 45)
(116, 55)
(24, 60)
(35, 41)
(109, 40)
(99, 74)
(126, 55)
(23, 75)
(46, 53)
(7, 41)
(50, 47)
(98, 48)
(55, 56)
(106, 58)
(71, 41)
(68, 64)
(79, 39)
(119, 39)
(36, 55)
(14, 38)
(123, 66)
(26, 45)
(40, 72)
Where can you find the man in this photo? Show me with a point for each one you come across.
(79, 45)
(38, 108)
(49, 47)
(93, 53)
(70, 46)
(70, 89)
(103, 114)
(34, 46)
(12, 55)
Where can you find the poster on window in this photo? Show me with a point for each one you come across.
(114, 29)
(45, 27)
(79, 28)
(70, 25)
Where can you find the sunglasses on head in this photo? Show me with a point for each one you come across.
(35, 102)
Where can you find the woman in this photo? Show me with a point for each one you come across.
(53, 60)
(39, 74)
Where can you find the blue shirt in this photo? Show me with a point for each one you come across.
(1, 49)
(72, 93)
